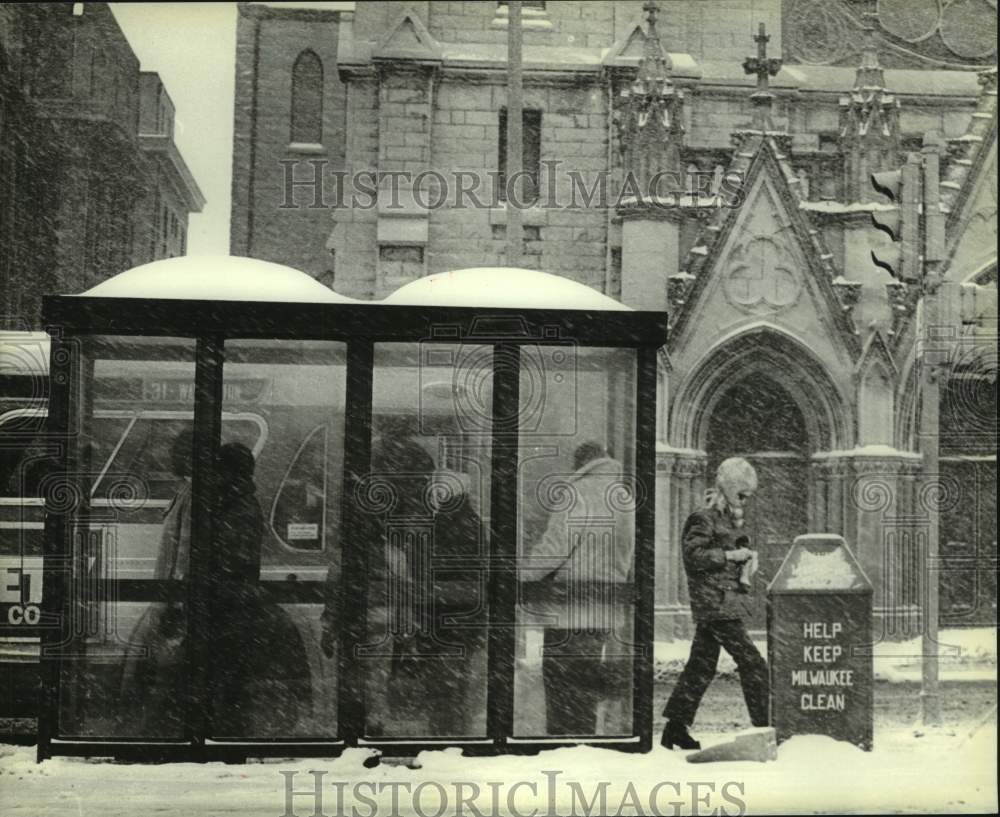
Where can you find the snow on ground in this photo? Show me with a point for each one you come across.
(911, 770)
(964, 655)
(940, 771)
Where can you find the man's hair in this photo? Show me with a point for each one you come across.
(586, 452)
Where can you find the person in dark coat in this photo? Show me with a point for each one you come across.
(426, 628)
(261, 675)
(450, 663)
(718, 564)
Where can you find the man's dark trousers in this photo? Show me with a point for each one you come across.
(709, 636)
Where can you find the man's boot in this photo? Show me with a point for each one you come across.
(676, 734)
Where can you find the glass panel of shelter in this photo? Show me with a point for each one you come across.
(276, 552)
(123, 661)
(425, 504)
(574, 649)
(277, 541)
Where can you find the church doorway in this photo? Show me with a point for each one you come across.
(758, 419)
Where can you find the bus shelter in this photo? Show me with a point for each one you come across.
(282, 521)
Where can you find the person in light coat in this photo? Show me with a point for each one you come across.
(583, 566)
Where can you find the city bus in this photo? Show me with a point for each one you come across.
(285, 403)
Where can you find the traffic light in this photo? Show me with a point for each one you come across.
(902, 224)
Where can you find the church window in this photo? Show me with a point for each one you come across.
(531, 155)
(307, 99)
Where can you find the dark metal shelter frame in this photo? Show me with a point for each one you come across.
(359, 327)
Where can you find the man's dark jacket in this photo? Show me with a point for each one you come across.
(713, 581)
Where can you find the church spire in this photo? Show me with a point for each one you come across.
(650, 126)
(764, 67)
(869, 125)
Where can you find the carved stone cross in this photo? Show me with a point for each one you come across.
(764, 67)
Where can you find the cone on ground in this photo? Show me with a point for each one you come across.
(758, 744)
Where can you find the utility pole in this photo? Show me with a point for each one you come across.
(917, 228)
(515, 138)
(931, 372)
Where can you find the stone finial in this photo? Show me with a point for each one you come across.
(763, 67)
(649, 119)
(869, 125)
(869, 73)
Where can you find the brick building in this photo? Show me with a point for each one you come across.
(787, 344)
(92, 183)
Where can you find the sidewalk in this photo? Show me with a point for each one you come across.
(939, 771)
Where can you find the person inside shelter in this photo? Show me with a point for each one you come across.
(583, 562)
(427, 629)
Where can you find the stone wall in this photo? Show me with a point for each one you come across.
(267, 47)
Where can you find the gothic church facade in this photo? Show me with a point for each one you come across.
(787, 344)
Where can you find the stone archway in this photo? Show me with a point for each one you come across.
(768, 351)
(763, 395)
(756, 418)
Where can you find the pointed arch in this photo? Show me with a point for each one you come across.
(765, 348)
(876, 376)
(906, 433)
(307, 98)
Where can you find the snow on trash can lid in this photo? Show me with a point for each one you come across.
(217, 278)
(819, 562)
(502, 287)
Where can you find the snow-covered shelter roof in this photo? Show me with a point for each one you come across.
(502, 287)
(217, 278)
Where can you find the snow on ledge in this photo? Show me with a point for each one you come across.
(666, 448)
(874, 450)
(502, 287)
(217, 278)
(839, 207)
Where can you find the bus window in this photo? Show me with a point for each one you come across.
(298, 515)
(26, 457)
(23, 455)
(144, 452)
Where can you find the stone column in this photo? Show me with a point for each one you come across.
(819, 493)
(879, 526)
(683, 471)
(650, 253)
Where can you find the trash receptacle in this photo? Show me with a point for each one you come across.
(819, 624)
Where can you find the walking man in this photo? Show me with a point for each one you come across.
(719, 566)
